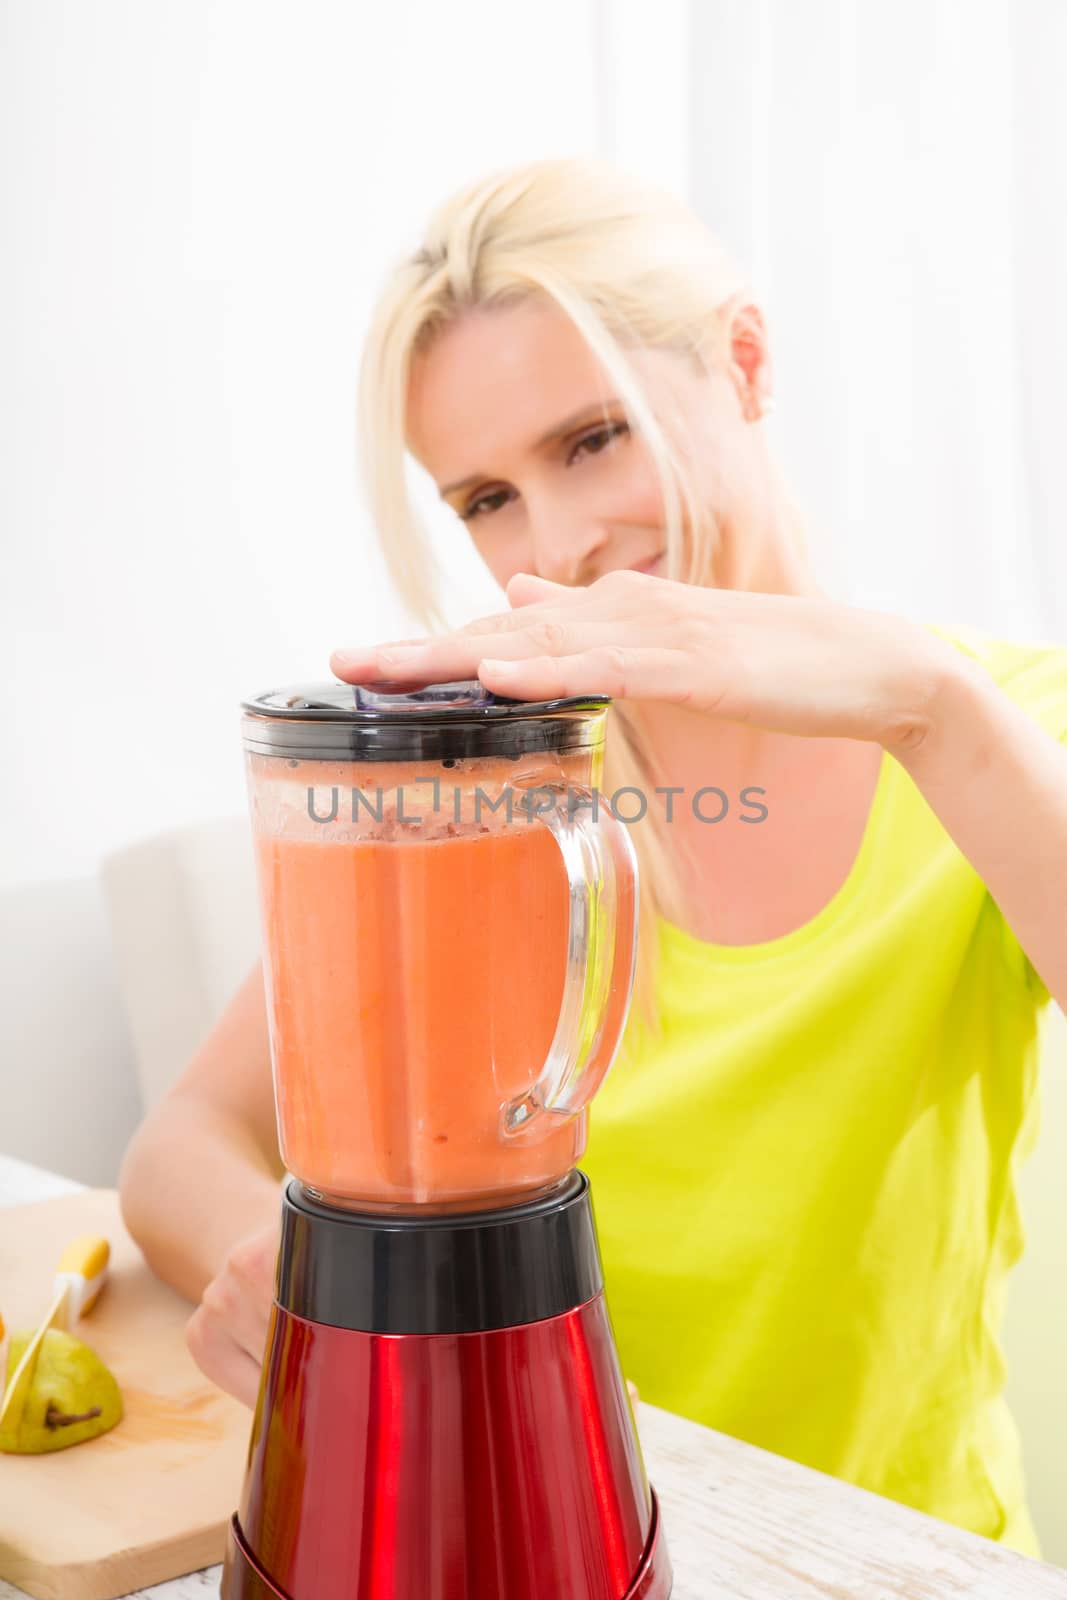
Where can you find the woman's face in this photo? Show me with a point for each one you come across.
(514, 418)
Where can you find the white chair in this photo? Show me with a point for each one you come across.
(185, 931)
(69, 1098)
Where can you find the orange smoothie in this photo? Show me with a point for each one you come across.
(413, 987)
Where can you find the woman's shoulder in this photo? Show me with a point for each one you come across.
(1032, 673)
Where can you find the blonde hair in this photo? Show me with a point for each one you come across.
(631, 266)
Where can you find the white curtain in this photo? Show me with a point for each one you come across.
(894, 178)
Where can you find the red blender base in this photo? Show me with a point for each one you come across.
(495, 1464)
(242, 1579)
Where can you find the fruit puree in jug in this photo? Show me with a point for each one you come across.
(414, 985)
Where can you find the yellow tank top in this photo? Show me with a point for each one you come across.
(805, 1190)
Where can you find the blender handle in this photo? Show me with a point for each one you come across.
(601, 956)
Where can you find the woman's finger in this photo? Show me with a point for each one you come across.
(526, 588)
(245, 1315)
(623, 672)
(221, 1358)
(546, 618)
(549, 632)
(360, 664)
(240, 1297)
(456, 655)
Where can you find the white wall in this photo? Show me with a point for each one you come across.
(893, 177)
(200, 200)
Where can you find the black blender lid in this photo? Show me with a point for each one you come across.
(386, 721)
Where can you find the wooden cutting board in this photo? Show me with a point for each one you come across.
(149, 1500)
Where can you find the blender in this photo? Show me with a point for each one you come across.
(449, 937)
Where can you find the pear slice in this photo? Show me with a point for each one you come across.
(72, 1395)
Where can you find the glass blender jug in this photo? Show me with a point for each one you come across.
(449, 922)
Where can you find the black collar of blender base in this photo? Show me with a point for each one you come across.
(443, 1273)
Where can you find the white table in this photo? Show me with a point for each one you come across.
(743, 1524)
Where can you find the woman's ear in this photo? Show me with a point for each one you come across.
(748, 359)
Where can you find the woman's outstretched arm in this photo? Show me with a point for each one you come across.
(203, 1171)
(200, 1191)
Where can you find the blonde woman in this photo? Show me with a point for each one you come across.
(852, 831)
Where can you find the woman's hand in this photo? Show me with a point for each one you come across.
(227, 1333)
(785, 663)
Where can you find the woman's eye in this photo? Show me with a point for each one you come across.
(484, 500)
(599, 440)
(596, 442)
